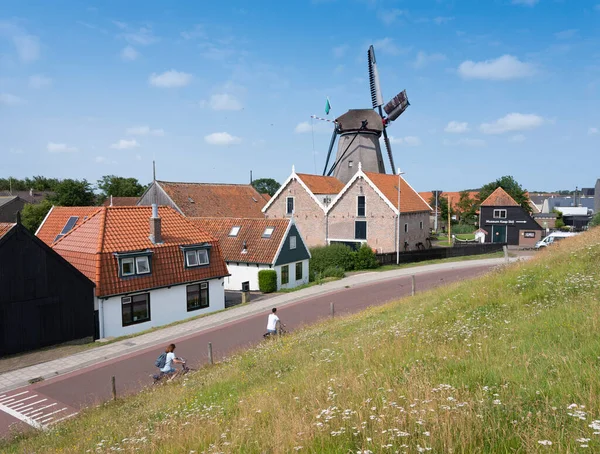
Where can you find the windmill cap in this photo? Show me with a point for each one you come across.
(354, 118)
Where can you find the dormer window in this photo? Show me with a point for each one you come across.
(268, 232)
(134, 263)
(234, 230)
(196, 255)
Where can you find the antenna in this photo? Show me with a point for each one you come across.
(251, 177)
(153, 170)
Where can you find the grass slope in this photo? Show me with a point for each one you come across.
(505, 363)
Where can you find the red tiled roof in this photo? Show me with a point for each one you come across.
(215, 200)
(121, 201)
(58, 217)
(409, 198)
(319, 184)
(5, 228)
(499, 198)
(90, 247)
(454, 197)
(259, 250)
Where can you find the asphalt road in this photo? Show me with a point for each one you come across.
(49, 401)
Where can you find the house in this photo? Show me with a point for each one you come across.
(251, 245)
(206, 200)
(9, 207)
(366, 211)
(121, 201)
(305, 197)
(480, 235)
(577, 218)
(506, 221)
(560, 202)
(60, 220)
(30, 196)
(452, 197)
(151, 266)
(44, 299)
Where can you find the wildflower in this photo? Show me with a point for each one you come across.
(545, 442)
(497, 402)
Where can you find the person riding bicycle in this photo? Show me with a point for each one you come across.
(273, 322)
(168, 368)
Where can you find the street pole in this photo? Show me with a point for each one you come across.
(436, 212)
(449, 205)
(398, 227)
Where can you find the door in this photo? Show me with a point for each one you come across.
(498, 234)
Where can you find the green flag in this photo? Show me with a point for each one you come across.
(327, 107)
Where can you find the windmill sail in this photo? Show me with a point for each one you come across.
(376, 96)
(396, 106)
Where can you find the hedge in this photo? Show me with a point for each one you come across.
(340, 257)
(267, 281)
(364, 258)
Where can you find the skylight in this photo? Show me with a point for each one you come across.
(268, 232)
(67, 228)
(234, 230)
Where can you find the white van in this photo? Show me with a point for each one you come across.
(554, 236)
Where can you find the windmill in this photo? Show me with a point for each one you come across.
(359, 131)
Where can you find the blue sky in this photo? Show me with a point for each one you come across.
(212, 90)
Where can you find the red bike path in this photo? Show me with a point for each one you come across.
(49, 401)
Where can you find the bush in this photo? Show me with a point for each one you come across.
(463, 228)
(334, 255)
(595, 220)
(267, 281)
(333, 271)
(364, 258)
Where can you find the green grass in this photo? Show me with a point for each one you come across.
(496, 364)
(310, 284)
(465, 236)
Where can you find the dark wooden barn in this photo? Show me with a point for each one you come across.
(44, 300)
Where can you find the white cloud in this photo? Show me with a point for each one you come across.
(170, 79)
(340, 51)
(525, 2)
(466, 142)
(593, 131)
(505, 67)
(141, 37)
(129, 53)
(196, 32)
(221, 138)
(457, 127)
(53, 147)
(224, 101)
(566, 34)
(387, 46)
(26, 45)
(388, 17)
(517, 138)
(424, 59)
(6, 99)
(39, 81)
(318, 127)
(439, 20)
(145, 131)
(100, 159)
(15, 151)
(512, 122)
(410, 141)
(125, 144)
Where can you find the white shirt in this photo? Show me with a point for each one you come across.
(168, 363)
(272, 322)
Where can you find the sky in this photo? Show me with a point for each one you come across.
(214, 90)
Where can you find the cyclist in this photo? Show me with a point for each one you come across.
(168, 368)
(273, 322)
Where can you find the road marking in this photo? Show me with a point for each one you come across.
(20, 417)
(11, 398)
(40, 413)
(34, 411)
(29, 405)
(26, 398)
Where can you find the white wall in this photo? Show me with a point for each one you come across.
(167, 305)
(292, 274)
(243, 272)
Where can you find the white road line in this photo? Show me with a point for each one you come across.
(64, 417)
(26, 398)
(29, 405)
(34, 411)
(49, 417)
(20, 417)
(11, 398)
(38, 418)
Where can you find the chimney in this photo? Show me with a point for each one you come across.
(155, 235)
(111, 200)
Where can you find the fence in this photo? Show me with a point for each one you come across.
(389, 258)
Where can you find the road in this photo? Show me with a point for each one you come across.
(47, 402)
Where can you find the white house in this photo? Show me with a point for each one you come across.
(251, 245)
(151, 266)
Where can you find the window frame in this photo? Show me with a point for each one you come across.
(201, 286)
(366, 229)
(405, 227)
(131, 305)
(269, 234)
(497, 214)
(293, 242)
(133, 259)
(301, 268)
(195, 251)
(285, 271)
(122, 262)
(137, 268)
(364, 206)
(420, 225)
(235, 230)
(287, 205)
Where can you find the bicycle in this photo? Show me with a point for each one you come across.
(184, 370)
(280, 332)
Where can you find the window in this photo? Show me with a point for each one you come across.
(299, 271)
(142, 265)
(405, 228)
(360, 209)
(268, 232)
(285, 274)
(292, 242)
(289, 205)
(234, 230)
(529, 234)
(420, 225)
(197, 296)
(360, 230)
(350, 164)
(127, 267)
(135, 309)
(196, 257)
(499, 214)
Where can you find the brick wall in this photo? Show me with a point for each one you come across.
(308, 216)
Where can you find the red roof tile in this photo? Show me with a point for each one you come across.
(5, 228)
(499, 198)
(259, 249)
(91, 246)
(319, 184)
(215, 200)
(454, 197)
(57, 219)
(410, 201)
(121, 201)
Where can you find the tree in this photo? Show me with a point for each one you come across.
(266, 186)
(119, 187)
(32, 215)
(71, 193)
(595, 222)
(510, 185)
(467, 208)
(442, 209)
(560, 222)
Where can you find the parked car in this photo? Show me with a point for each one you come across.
(554, 236)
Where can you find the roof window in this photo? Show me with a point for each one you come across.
(268, 232)
(235, 230)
